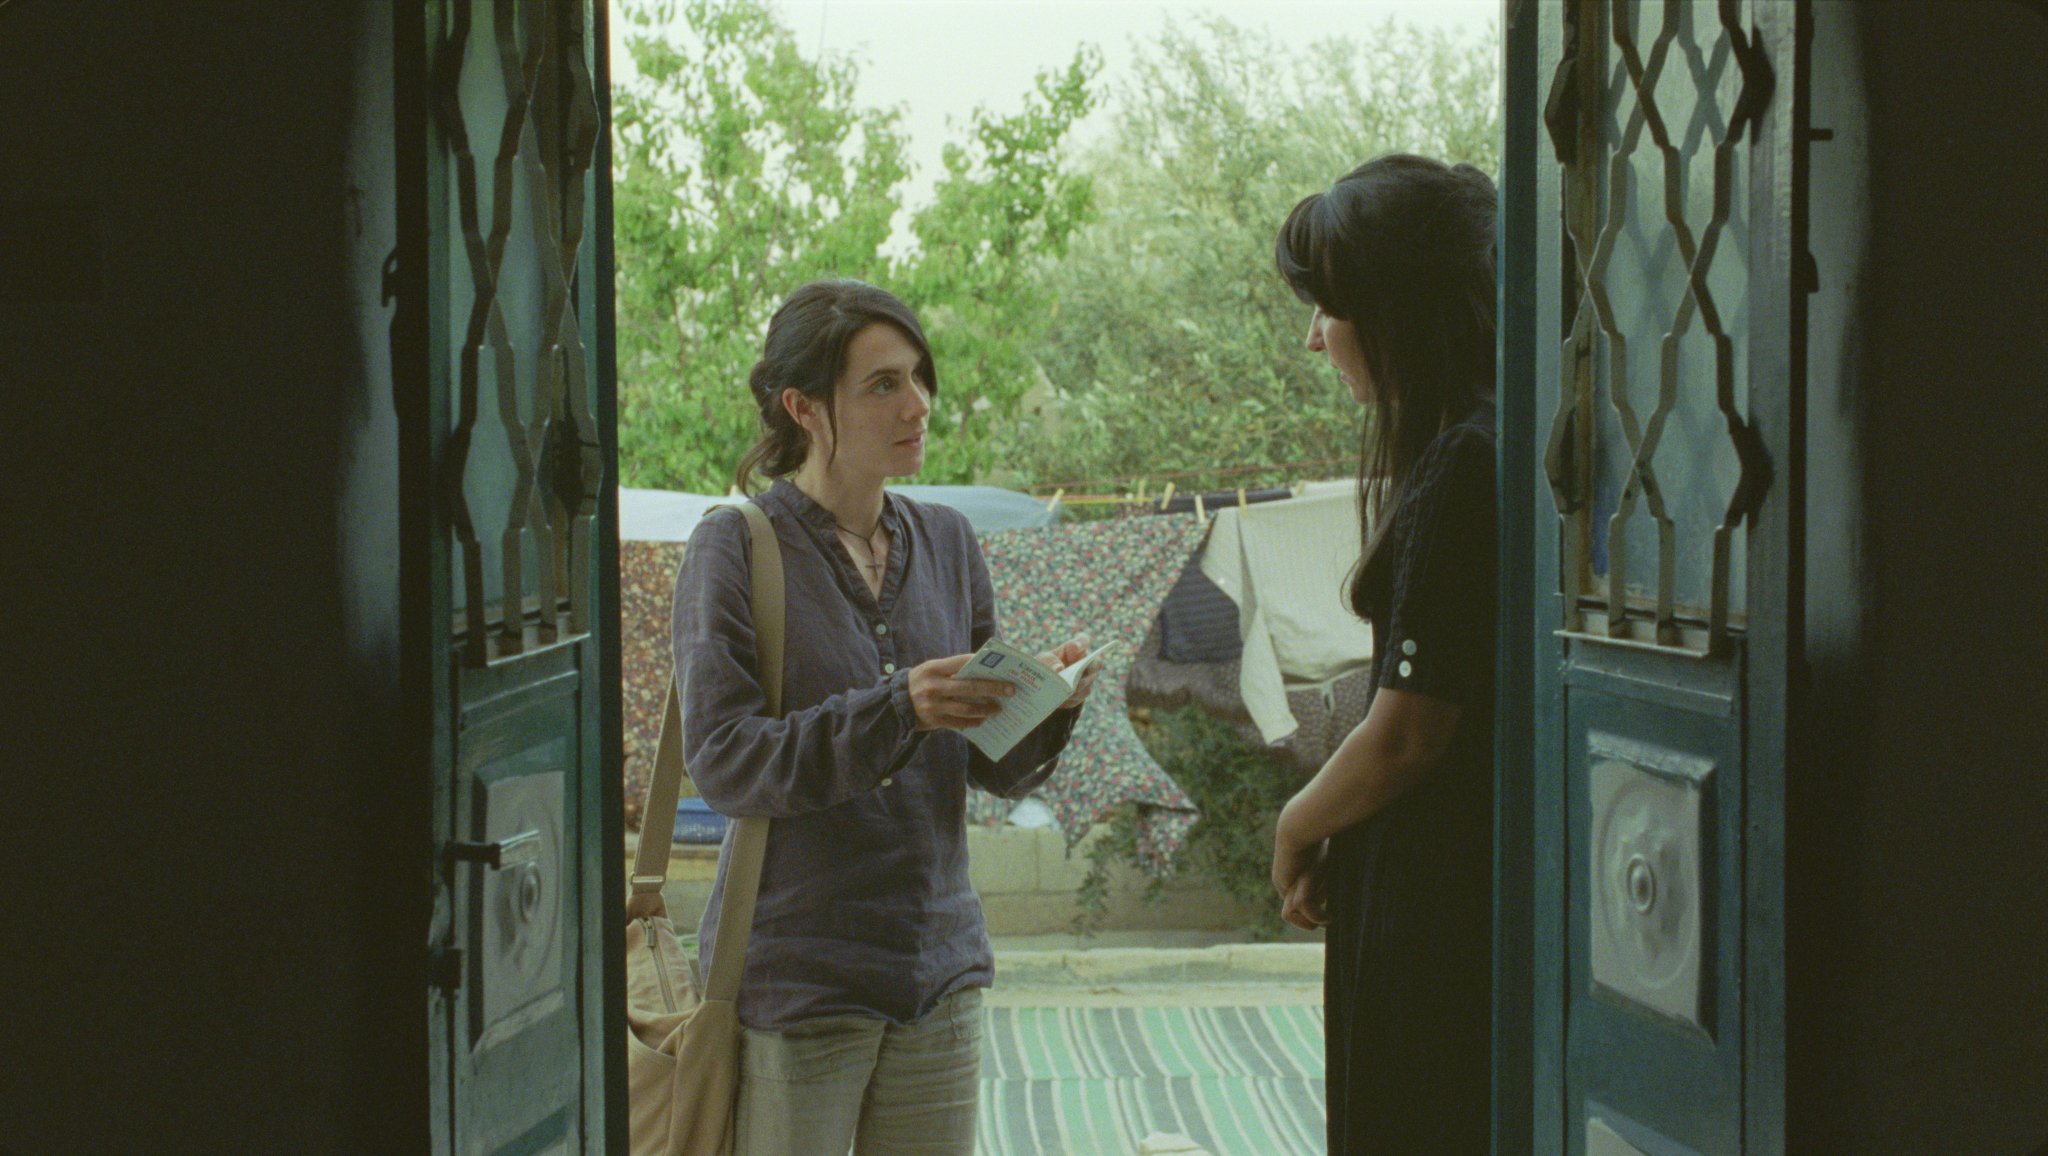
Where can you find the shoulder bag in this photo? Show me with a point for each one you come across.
(682, 1052)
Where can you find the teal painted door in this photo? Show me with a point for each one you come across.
(1660, 466)
(504, 245)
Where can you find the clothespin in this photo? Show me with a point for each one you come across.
(732, 492)
(1240, 497)
(1054, 503)
(1166, 497)
(1201, 515)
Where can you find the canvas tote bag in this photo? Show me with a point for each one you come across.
(682, 1052)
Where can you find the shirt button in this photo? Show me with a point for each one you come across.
(888, 782)
(888, 668)
(1406, 669)
(1407, 646)
(881, 628)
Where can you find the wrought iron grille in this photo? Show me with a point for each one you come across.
(1651, 460)
(516, 112)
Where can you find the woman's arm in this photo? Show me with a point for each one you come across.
(1438, 636)
(745, 764)
(1401, 738)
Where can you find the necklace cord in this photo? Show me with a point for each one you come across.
(867, 543)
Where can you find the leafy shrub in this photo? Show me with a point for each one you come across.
(1239, 788)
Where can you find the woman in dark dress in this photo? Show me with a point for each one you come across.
(1391, 844)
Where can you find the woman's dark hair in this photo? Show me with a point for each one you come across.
(1402, 247)
(805, 350)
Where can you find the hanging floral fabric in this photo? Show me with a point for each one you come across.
(647, 582)
(1108, 578)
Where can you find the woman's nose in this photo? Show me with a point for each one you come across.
(920, 401)
(1315, 333)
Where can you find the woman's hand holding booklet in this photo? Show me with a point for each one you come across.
(1042, 689)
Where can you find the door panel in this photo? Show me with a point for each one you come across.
(519, 1059)
(1664, 290)
(501, 247)
(1655, 915)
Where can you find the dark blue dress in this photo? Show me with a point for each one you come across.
(1407, 980)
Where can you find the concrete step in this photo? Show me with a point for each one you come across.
(1220, 964)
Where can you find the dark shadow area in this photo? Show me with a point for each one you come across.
(1915, 1018)
(215, 892)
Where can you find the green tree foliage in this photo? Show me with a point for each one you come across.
(999, 221)
(742, 169)
(1175, 346)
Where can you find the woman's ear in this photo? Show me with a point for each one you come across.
(800, 409)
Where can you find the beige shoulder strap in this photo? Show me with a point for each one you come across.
(749, 836)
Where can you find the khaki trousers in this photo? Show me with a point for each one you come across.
(824, 1086)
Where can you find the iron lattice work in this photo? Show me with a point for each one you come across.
(1655, 469)
(516, 112)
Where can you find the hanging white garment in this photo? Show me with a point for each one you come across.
(1286, 565)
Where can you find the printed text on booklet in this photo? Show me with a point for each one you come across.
(1040, 691)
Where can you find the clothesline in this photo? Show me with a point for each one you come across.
(1060, 496)
(1161, 499)
(1042, 489)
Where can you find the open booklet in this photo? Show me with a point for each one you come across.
(1040, 691)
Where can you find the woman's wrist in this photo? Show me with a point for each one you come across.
(1288, 830)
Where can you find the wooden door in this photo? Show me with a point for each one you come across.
(1659, 467)
(503, 268)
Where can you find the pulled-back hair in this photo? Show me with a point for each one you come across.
(805, 350)
(1402, 247)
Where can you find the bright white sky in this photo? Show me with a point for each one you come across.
(941, 58)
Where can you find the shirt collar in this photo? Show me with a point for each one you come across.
(818, 517)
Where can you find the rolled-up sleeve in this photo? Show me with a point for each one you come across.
(1440, 625)
(744, 764)
(1036, 755)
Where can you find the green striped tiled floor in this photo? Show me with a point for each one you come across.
(1093, 1081)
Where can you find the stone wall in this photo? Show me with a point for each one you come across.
(1027, 883)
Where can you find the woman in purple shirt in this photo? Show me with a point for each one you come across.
(861, 994)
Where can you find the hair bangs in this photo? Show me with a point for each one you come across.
(1302, 252)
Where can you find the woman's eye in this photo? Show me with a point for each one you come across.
(885, 385)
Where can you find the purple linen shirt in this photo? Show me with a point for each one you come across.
(865, 906)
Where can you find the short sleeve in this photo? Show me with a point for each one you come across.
(1439, 632)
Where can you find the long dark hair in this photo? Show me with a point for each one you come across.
(805, 350)
(1402, 247)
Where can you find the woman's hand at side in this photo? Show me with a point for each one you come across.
(943, 702)
(1303, 906)
(1294, 868)
(1403, 735)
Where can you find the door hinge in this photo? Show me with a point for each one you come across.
(444, 969)
(1806, 273)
